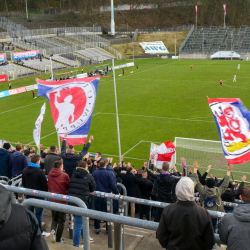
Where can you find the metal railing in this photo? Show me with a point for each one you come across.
(214, 214)
(120, 220)
(59, 197)
(186, 39)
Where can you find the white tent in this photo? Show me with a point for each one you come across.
(225, 55)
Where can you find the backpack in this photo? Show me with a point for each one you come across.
(210, 202)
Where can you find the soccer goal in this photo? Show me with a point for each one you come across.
(207, 153)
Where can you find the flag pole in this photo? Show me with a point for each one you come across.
(196, 17)
(59, 142)
(224, 7)
(117, 117)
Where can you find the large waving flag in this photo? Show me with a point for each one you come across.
(233, 122)
(164, 152)
(72, 103)
(38, 124)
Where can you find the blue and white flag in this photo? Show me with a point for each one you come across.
(38, 124)
(72, 104)
(233, 122)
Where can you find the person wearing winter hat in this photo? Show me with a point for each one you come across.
(235, 227)
(210, 196)
(184, 224)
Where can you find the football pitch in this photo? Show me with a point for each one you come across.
(162, 100)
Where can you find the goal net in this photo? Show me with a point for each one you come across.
(207, 153)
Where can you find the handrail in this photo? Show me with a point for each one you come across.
(215, 214)
(59, 197)
(98, 215)
(125, 194)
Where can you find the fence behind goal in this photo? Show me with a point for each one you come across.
(207, 153)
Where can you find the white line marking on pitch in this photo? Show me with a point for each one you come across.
(132, 147)
(138, 72)
(44, 136)
(160, 117)
(20, 107)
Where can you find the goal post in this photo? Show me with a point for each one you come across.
(207, 152)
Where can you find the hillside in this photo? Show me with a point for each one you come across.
(167, 38)
(85, 12)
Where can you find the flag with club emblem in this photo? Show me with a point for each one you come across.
(233, 123)
(72, 103)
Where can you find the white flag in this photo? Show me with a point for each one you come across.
(38, 123)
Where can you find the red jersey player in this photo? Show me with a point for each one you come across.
(33, 93)
(192, 66)
(221, 82)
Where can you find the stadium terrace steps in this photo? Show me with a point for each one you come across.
(217, 38)
(64, 61)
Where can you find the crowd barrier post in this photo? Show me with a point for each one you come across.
(98, 215)
(59, 197)
(110, 224)
(125, 194)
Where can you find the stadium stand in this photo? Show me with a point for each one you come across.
(19, 70)
(95, 54)
(64, 60)
(215, 39)
(36, 64)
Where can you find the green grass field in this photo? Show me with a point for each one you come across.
(162, 100)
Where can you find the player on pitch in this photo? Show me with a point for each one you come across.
(192, 66)
(221, 82)
(234, 80)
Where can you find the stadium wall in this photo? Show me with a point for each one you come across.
(198, 55)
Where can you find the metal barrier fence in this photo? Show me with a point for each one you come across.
(120, 220)
(214, 214)
(187, 37)
(59, 197)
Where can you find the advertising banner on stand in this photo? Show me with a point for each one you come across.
(17, 91)
(154, 47)
(25, 54)
(2, 58)
(4, 93)
(3, 78)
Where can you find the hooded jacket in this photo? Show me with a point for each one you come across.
(58, 182)
(184, 224)
(81, 184)
(235, 228)
(5, 167)
(34, 178)
(18, 227)
(214, 193)
(18, 162)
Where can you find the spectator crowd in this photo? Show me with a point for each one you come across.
(184, 224)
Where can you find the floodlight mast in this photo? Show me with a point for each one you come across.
(112, 19)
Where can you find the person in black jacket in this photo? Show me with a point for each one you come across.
(71, 160)
(130, 181)
(146, 189)
(19, 228)
(230, 194)
(34, 178)
(164, 186)
(184, 224)
(81, 184)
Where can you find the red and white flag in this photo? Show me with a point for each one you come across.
(224, 7)
(165, 152)
(196, 9)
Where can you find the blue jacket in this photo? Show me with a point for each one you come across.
(105, 181)
(5, 168)
(18, 163)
